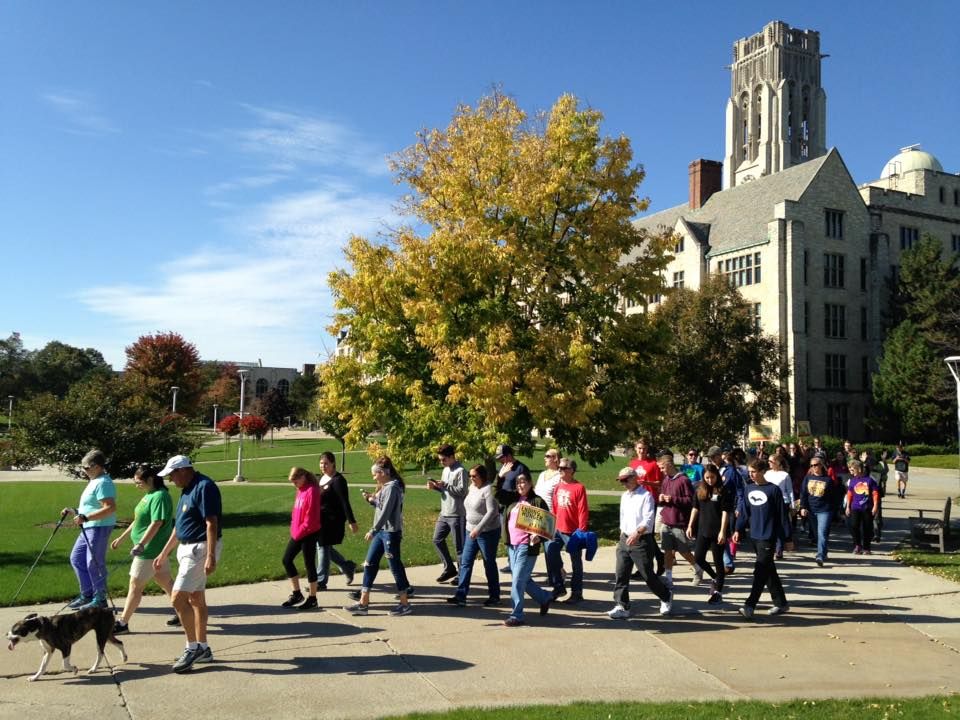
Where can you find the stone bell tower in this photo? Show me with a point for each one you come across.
(777, 111)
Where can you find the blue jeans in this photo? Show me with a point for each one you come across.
(486, 544)
(521, 568)
(326, 554)
(576, 565)
(554, 561)
(385, 543)
(90, 561)
(821, 522)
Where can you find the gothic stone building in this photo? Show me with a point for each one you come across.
(809, 249)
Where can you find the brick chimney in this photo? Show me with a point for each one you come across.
(706, 178)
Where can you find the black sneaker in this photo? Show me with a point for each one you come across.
(715, 598)
(354, 594)
(559, 592)
(186, 661)
(545, 607)
(491, 602)
(447, 575)
(349, 571)
(574, 598)
(204, 656)
(120, 628)
(308, 604)
(174, 621)
(295, 598)
(457, 600)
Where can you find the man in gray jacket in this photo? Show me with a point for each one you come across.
(452, 487)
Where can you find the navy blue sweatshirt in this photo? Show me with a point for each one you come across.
(816, 494)
(765, 512)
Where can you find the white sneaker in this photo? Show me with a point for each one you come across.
(619, 612)
(666, 606)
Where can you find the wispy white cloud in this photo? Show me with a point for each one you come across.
(268, 301)
(303, 193)
(302, 140)
(81, 113)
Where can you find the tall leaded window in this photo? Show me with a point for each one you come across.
(834, 321)
(835, 371)
(833, 270)
(837, 419)
(833, 224)
(908, 236)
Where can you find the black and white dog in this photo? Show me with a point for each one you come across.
(60, 632)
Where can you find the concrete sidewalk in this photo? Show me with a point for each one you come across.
(859, 626)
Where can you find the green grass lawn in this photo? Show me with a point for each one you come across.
(947, 462)
(862, 709)
(256, 529)
(263, 463)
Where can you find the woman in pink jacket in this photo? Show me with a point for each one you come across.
(304, 535)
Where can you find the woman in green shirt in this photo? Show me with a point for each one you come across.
(150, 530)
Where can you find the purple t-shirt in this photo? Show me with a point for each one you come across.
(861, 490)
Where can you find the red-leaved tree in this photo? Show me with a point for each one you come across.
(229, 426)
(157, 363)
(254, 425)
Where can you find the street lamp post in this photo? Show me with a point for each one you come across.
(215, 406)
(9, 413)
(174, 389)
(243, 383)
(953, 362)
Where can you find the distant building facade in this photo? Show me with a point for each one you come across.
(809, 249)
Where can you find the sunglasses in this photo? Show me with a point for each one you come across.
(565, 467)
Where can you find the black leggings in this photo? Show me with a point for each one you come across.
(309, 546)
(705, 543)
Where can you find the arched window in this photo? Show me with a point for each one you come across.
(284, 387)
(262, 386)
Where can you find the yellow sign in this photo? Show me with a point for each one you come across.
(536, 521)
(803, 429)
(761, 433)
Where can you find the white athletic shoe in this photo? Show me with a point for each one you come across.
(619, 612)
(666, 606)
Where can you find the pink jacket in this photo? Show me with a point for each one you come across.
(305, 518)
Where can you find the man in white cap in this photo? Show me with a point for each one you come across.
(636, 546)
(198, 531)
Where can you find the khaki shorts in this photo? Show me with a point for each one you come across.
(674, 538)
(141, 569)
(191, 558)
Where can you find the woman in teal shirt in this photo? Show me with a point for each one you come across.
(96, 516)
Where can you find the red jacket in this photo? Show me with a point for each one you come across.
(571, 508)
(305, 518)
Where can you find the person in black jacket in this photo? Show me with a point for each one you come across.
(336, 512)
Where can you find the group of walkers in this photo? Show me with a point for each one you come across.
(194, 530)
(701, 510)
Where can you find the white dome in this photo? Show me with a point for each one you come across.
(910, 158)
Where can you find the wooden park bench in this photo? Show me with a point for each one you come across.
(924, 529)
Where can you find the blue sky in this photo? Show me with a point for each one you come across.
(197, 167)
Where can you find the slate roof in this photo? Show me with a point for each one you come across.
(738, 217)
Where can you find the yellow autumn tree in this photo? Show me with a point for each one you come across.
(500, 309)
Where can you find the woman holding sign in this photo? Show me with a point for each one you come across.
(520, 520)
